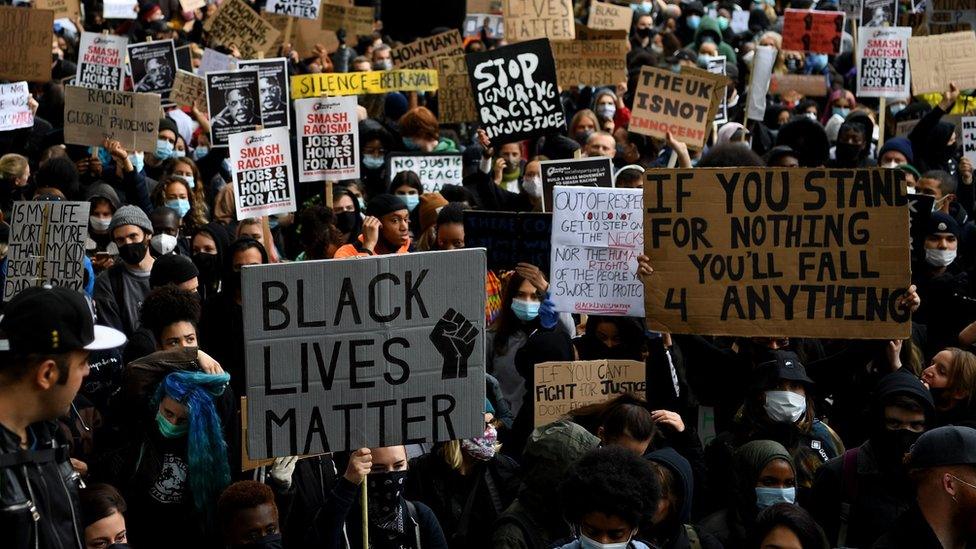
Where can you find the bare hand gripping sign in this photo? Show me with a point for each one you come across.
(364, 353)
(798, 252)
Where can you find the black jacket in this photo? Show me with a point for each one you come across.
(910, 531)
(38, 491)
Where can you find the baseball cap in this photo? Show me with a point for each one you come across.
(784, 365)
(52, 320)
(949, 445)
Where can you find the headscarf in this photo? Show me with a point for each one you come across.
(748, 461)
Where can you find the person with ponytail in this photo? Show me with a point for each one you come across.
(177, 465)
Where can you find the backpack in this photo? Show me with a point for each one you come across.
(848, 488)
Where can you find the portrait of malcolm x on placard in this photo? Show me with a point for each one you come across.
(238, 109)
(271, 100)
(157, 77)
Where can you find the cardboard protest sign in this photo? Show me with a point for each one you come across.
(792, 252)
(586, 33)
(813, 31)
(510, 237)
(303, 35)
(454, 99)
(484, 6)
(355, 20)
(807, 85)
(949, 15)
(883, 62)
(937, 60)
(263, 182)
(91, 116)
(360, 83)
(561, 387)
(25, 44)
(192, 5)
(189, 90)
(878, 13)
(101, 61)
(716, 65)
(374, 352)
(435, 169)
(232, 101)
(153, 67)
(762, 70)
(273, 88)
(740, 21)
(236, 24)
(668, 102)
(596, 238)
(15, 111)
(305, 9)
(493, 25)
(969, 138)
(47, 246)
(328, 138)
(590, 62)
(583, 172)
(532, 19)
(68, 9)
(423, 53)
(120, 9)
(214, 61)
(609, 16)
(515, 91)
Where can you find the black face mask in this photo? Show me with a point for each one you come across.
(132, 254)
(346, 221)
(271, 541)
(644, 33)
(848, 152)
(207, 264)
(385, 490)
(892, 445)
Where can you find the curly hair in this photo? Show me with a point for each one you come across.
(167, 305)
(209, 471)
(613, 481)
(243, 494)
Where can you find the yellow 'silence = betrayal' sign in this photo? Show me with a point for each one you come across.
(360, 83)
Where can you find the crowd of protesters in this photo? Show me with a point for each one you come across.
(119, 408)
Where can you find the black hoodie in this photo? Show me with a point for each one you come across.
(674, 534)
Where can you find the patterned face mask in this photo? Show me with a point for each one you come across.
(384, 500)
(481, 448)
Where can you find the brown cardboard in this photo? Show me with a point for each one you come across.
(937, 60)
(189, 90)
(192, 5)
(25, 44)
(586, 33)
(720, 81)
(423, 53)
(238, 25)
(355, 20)
(61, 8)
(484, 6)
(454, 98)
(609, 16)
(561, 387)
(303, 35)
(869, 264)
(807, 85)
(679, 103)
(531, 19)
(92, 115)
(590, 62)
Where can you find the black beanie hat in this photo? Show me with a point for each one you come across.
(166, 123)
(382, 204)
(171, 269)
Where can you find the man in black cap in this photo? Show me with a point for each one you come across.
(858, 495)
(386, 229)
(942, 466)
(45, 337)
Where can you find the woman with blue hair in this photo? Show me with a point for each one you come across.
(176, 468)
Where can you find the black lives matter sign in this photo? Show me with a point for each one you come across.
(370, 352)
(515, 91)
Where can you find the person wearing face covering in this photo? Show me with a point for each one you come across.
(610, 337)
(670, 526)
(467, 484)
(208, 247)
(762, 475)
(248, 516)
(778, 406)
(941, 282)
(119, 291)
(858, 495)
(931, 136)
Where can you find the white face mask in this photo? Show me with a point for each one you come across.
(163, 243)
(939, 258)
(785, 406)
(99, 224)
(890, 165)
(533, 186)
(587, 543)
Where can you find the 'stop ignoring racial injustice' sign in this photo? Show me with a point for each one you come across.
(360, 353)
(792, 252)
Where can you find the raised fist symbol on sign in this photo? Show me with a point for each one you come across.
(454, 336)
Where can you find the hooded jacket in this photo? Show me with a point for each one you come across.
(709, 27)
(675, 534)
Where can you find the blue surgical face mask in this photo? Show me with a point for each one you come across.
(164, 149)
(138, 161)
(373, 162)
(841, 111)
(693, 21)
(272, 222)
(766, 497)
(525, 310)
(200, 152)
(225, 164)
(896, 108)
(412, 200)
(606, 110)
(105, 157)
(178, 153)
(723, 22)
(817, 62)
(409, 143)
(181, 205)
(362, 203)
(190, 182)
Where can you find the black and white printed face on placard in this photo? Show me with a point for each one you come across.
(153, 67)
(233, 101)
(273, 90)
(515, 91)
(374, 352)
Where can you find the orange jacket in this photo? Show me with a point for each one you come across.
(356, 250)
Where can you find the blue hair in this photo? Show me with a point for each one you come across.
(209, 472)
